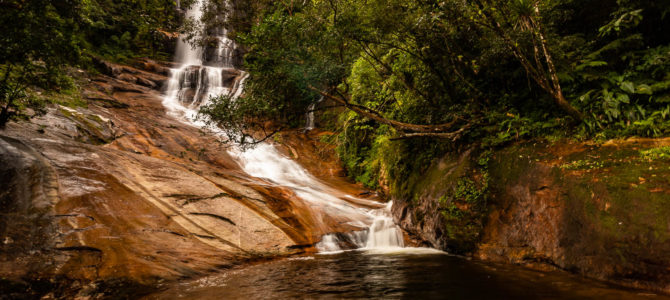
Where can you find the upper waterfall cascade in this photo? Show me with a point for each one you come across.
(201, 77)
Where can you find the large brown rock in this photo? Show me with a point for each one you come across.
(602, 211)
(118, 197)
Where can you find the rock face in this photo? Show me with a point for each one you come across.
(116, 197)
(442, 210)
(599, 211)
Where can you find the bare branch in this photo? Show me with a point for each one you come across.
(376, 116)
(453, 136)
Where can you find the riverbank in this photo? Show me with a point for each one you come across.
(598, 210)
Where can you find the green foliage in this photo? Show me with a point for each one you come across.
(451, 211)
(15, 101)
(509, 127)
(660, 153)
(42, 38)
(118, 30)
(464, 208)
(621, 77)
(425, 63)
(467, 190)
(475, 191)
(278, 138)
(461, 230)
(222, 112)
(362, 152)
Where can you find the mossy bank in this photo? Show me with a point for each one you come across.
(599, 210)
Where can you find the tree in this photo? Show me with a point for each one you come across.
(38, 39)
(14, 100)
(479, 70)
(41, 37)
(528, 19)
(303, 52)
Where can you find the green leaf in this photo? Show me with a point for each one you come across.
(586, 97)
(663, 99)
(623, 98)
(628, 87)
(590, 64)
(644, 89)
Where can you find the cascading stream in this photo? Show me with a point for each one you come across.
(197, 79)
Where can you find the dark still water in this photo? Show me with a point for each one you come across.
(392, 276)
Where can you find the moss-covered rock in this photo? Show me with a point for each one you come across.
(599, 210)
(447, 205)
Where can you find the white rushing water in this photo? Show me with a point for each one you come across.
(197, 79)
(309, 116)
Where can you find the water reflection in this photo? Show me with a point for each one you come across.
(392, 276)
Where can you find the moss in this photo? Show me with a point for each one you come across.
(583, 164)
(91, 132)
(95, 118)
(68, 98)
(508, 165)
(468, 191)
(278, 138)
(618, 213)
(463, 206)
(616, 204)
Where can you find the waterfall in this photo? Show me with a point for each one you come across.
(201, 76)
(309, 116)
(382, 234)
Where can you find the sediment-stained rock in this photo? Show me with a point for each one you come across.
(118, 194)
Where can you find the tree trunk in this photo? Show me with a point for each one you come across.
(4, 117)
(558, 91)
(551, 84)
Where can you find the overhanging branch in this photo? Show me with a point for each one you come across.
(409, 130)
(453, 136)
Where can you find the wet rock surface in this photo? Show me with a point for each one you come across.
(115, 197)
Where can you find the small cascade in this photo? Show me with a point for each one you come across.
(185, 53)
(225, 50)
(329, 243)
(382, 234)
(309, 116)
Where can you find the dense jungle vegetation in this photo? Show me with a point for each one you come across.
(421, 78)
(42, 40)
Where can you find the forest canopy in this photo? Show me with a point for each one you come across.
(42, 38)
(594, 68)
